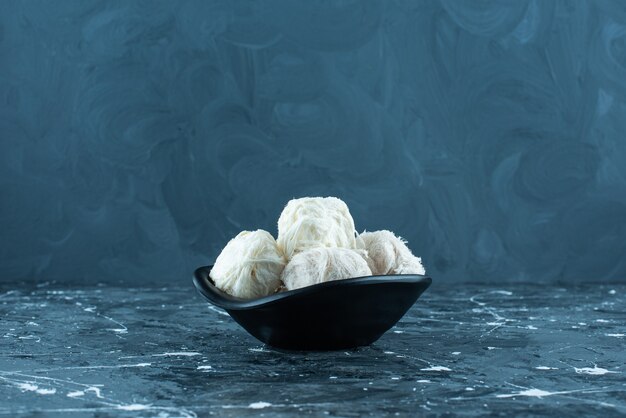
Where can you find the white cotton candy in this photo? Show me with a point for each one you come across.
(322, 264)
(312, 222)
(388, 254)
(249, 266)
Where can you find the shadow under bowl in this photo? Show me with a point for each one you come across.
(328, 316)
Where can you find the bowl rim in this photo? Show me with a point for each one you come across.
(217, 297)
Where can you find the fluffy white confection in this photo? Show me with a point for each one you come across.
(249, 266)
(312, 222)
(324, 264)
(388, 254)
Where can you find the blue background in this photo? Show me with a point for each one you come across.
(137, 137)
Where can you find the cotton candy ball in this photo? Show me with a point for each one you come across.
(388, 254)
(324, 264)
(249, 266)
(312, 222)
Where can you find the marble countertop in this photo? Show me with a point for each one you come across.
(462, 349)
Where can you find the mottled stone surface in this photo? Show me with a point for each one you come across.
(138, 137)
(470, 350)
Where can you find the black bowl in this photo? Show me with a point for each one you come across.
(327, 316)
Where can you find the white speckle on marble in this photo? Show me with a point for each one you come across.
(395, 378)
(531, 327)
(30, 337)
(436, 369)
(332, 377)
(491, 348)
(398, 332)
(616, 335)
(178, 353)
(218, 310)
(122, 330)
(204, 368)
(389, 352)
(95, 390)
(423, 381)
(259, 405)
(603, 321)
(75, 394)
(46, 391)
(546, 368)
(595, 370)
(133, 407)
(537, 393)
(469, 389)
(456, 353)
(258, 350)
(29, 387)
(502, 292)
(612, 292)
(118, 330)
(90, 309)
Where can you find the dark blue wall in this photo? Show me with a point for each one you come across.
(137, 137)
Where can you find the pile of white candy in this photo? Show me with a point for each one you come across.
(317, 242)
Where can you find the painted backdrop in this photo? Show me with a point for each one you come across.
(137, 137)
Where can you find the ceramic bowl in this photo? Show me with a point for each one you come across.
(328, 316)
